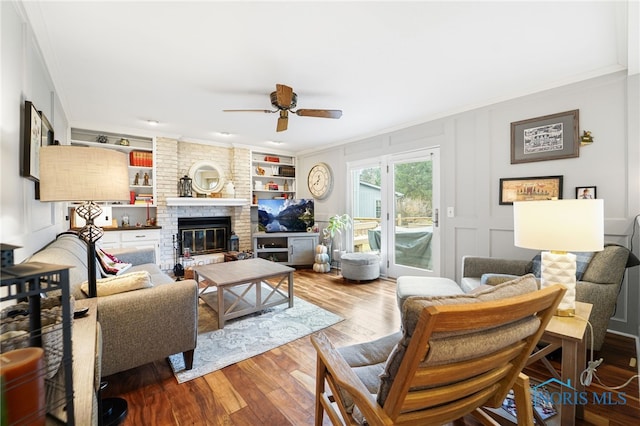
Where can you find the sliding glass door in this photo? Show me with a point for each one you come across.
(395, 206)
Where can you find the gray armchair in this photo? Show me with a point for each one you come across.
(600, 283)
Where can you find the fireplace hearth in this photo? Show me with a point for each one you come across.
(204, 235)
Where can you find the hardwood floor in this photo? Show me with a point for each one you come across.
(277, 388)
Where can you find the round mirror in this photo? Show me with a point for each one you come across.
(207, 177)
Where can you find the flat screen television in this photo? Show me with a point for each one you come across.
(285, 215)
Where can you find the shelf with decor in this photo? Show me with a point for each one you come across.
(140, 150)
(272, 176)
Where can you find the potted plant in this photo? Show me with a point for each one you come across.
(333, 236)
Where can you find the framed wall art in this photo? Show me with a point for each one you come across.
(31, 142)
(47, 131)
(530, 189)
(586, 192)
(551, 137)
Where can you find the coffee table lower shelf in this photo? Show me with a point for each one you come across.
(240, 300)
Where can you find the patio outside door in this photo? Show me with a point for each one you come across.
(394, 204)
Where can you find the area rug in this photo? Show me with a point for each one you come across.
(252, 335)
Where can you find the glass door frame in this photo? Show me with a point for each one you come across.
(393, 269)
(385, 163)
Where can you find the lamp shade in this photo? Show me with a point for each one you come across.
(77, 173)
(559, 225)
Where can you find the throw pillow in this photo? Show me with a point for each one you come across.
(582, 261)
(494, 279)
(120, 284)
(536, 265)
(111, 264)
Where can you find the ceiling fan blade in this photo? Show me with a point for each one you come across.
(249, 110)
(283, 121)
(322, 113)
(284, 95)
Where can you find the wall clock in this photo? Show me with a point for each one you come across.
(320, 181)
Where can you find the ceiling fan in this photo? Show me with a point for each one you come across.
(285, 100)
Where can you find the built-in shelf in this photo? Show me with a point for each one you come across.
(201, 201)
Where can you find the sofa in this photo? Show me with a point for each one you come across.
(599, 281)
(138, 326)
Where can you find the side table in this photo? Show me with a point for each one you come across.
(567, 333)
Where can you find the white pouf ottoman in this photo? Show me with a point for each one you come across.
(409, 285)
(360, 266)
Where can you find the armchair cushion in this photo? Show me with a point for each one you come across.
(367, 361)
(449, 347)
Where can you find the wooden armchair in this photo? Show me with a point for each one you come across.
(456, 355)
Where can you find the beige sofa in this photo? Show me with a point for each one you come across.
(139, 326)
(600, 283)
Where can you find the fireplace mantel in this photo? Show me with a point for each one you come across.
(214, 202)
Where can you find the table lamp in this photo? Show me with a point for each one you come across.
(83, 174)
(558, 227)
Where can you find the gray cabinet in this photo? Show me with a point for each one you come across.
(290, 248)
(302, 249)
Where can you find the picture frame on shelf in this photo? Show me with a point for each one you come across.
(31, 142)
(586, 192)
(530, 189)
(550, 137)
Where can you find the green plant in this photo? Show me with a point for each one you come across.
(336, 224)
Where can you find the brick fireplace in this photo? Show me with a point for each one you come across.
(176, 157)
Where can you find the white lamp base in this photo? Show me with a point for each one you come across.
(560, 268)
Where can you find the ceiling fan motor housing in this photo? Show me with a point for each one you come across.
(274, 101)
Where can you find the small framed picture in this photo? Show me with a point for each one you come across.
(530, 189)
(586, 192)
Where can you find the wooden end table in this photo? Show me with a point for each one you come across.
(567, 333)
(244, 287)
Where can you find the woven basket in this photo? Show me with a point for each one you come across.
(14, 332)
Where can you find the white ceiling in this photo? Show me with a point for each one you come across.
(386, 65)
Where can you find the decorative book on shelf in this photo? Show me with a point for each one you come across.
(141, 158)
(287, 171)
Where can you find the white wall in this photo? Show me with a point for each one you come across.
(24, 221)
(475, 154)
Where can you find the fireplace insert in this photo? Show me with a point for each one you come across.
(203, 235)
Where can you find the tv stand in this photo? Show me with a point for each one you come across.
(289, 248)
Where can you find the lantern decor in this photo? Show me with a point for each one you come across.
(234, 242)
(184, 186)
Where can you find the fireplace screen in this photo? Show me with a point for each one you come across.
(201, 241)
(204, 235)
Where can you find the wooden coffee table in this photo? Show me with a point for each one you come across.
(244, 286)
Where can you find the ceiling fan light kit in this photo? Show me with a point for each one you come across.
(284, 100)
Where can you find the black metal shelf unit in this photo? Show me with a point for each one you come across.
(27, 283)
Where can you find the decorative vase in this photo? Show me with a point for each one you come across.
(229, 190)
